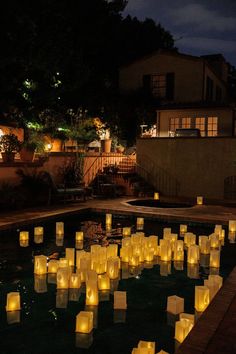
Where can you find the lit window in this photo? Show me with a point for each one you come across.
(200, 124)
(174, 124)
(186, 123)
(158, 85)
(212, 126)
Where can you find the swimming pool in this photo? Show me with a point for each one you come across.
(46, 328)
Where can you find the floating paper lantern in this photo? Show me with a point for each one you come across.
(156, 196)
(232, 236)
(183, 229)
(148, 254)
(59, 240)
(112, 250)
(95, 248)
(24, 238)
(182, 329)
(126, 231)
(175, 304)
(63, 275)
(70, 256)
(204, 244)
(187, 316)
(179, 250)
(147, 345)
(165, 250)
(166, 231)
(38, 234)
(92, 293)
(108, 219)
(140, 223)
(232, 225)
(91, 275)
(79, 245)
(202, 298)
(40, 283)
(199, 200)
(63, 263)
(113, 267)
(74, 281)
(60, 228)
(134, 261)
(84, 322)
(79, 236)
(125, 253)
(120, 300)
(215, 258)
(13, 301)
(214, 240)
(189, 239)
(74, 295)
(103, 282)
(84, 268)
(40, 265)
(193, 254)
(216, 279)
(126, 242)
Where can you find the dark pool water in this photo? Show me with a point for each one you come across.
(44, 328)
(158, 204)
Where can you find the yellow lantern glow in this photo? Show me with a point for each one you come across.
(79, 236)
(108, 219)
(125, 253)
(126, 242)
(24, 238)
(84, 322)
(92, 293)
(40, 265)
(91, 275)
(215, 258)
(193, 270)
(59, 240)
(147, 345)
(182, 329)
(202, 298)
(199, 200)
(140, 223)
(120, 300)
(79, 245)
(204, 244)
(63, 275)
(214, 240)
(113, 267)
(13, 301)
(156, 196)
(175, 304)
(74, 282)
(40, 283)
(189, 239)
(187, 316)
(165, 250)
(232, 225)
(13, 317)
(165, 268)
(179, 250)
(183, 229)
(166, 232)
(134, 261)
(38, 234)
(193, 254)
(60, 228)
(126, 231)
(63, 263)
(112, 250)
(70, 256)
(103, 282)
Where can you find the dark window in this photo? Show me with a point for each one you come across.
(147, 84)
(209, 89)
(218, 94)
(170, 86)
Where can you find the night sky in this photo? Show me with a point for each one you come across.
(198, 26)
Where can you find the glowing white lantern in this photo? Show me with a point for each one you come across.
(91, 275)
(103, 282)
(175, 304)
(133, 261)
(126, 242)
(91, 293)
(193, 254)
(113, 267)
(40, 283)
(202, 298)
(13, 301)
(147, 345)
(189, 239)
(232, 236)
(38, 234)
(84, 322)
(166, 231)
(179, 250)
(40, 265)
(183, 229)
(232, 225)
(70, 256)
(112, 250)
(125, 253)
(199, 200)
(156, 196)
(187, 316)
(165, 250)
(24, 238)
(60, 228)
(120, 300)
(79, 236)
(215, 259)
(108, 219)
(140, 223)
(148, 254)
(74, 281)
(79, 245)
(214, 240)
(182, 329)
(84, 268)
(217, 280)
(63, 263)
(204, 244)
(63, 275)
(126, 232)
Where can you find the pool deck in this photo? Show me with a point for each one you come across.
(215, 331)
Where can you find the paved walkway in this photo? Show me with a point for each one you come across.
(215, 331)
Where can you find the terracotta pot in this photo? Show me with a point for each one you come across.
(106, 145)
(27, 155)
(8, 156)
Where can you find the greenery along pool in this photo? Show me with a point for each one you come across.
(47, 318)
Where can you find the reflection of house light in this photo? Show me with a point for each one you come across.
(171, 133)
(1, 133)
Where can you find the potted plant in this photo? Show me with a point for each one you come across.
(9, 146)
(33, 143)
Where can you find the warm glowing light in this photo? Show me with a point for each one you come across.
(91, 293)
(120, 300)
(53, 266)
(24, 238)
(84, 322)
(126, 231)
(40, 265)
(182, 329)
(79, 236)
(175, 304)
(202, 298)
(156, 196)
(199, 200)
(13, 301)
(60, 228)
(103, 282)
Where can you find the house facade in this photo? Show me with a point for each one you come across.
(191, 93)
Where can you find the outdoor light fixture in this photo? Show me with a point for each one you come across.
(63, 278)
(113, 267)
(150, 346)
